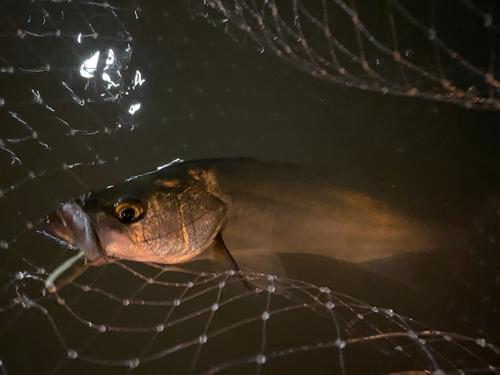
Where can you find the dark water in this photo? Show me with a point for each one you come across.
(208, 95)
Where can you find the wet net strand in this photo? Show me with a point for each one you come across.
(314, 44)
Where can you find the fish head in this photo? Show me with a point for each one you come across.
(150, 219)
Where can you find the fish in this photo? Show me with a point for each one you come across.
(241, 212)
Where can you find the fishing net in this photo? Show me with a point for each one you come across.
(335, 41)
(94, 92)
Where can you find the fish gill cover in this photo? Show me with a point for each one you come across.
(93, 92)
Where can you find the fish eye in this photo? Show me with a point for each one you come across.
(128, 212)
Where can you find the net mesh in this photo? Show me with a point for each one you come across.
(196, 322)
(335, 41)
(71, 88)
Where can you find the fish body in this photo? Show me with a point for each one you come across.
(282, 207)
(257, 209)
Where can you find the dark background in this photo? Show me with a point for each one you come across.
(213, 92)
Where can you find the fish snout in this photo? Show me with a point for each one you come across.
(73, 225)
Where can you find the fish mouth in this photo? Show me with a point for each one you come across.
(73, 225)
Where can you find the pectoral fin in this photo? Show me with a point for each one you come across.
(260, 260)
(262, 263)
(222, 255)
